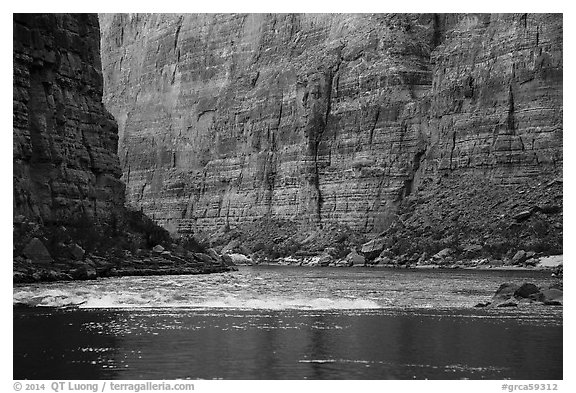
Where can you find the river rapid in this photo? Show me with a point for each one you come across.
(272, 322)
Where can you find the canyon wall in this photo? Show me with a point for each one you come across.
(321, 119)
(65, 160)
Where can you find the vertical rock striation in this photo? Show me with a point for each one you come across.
(335, 118)
(227, 118)
(64, 141)
(490, 174)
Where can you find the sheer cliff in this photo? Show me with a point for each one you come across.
(406, 122)
(64, 141)
(70, 221)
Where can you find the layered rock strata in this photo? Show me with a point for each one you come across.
(64, 140)
(70, 221)
(324, 119)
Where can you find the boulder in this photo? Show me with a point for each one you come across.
(76, 251)
(509, 295)
(442, 254)
(207, 259)
(523, 215)
(37, 252)
(422, 259)
(383, 260)
(527, 291)
(355, 259)
(552, 296)
(228, 260)
(213, 254)
(20, 277)
(373, 248)
(158, 248)
(505, 292)
(519, 257)
(325, 259)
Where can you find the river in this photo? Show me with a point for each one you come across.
(271, 322)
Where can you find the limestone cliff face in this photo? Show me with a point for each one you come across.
(64, 141)
(331, 118)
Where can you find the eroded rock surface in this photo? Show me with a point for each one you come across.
(65, 158)
(70, 221)
(445, 128)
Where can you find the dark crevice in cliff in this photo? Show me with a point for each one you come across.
(254, 78)
(270, 165)
(280, 112)
(409, 183)
(524, 20)
(141, 193)
(510, 120)
(437, 34)
(318, 137)
(177, 34)
(270, 180)
(173, 79)
(374, 126)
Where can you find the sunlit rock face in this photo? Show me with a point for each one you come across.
(65, 159)
(320, 119)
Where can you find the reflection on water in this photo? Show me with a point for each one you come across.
(292, 342)
(156, 344)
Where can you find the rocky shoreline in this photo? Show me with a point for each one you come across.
(514, 295)
(144, 263)
(554, 263)
(68, 260)
(64, 253)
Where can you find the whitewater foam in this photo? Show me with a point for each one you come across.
(165, 299)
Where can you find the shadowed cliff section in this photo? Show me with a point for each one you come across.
(70, 221)
(65, 141)
(440, 128)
